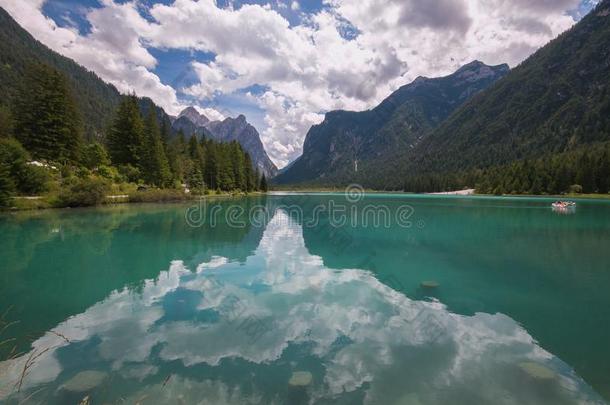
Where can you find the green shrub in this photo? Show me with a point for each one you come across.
(158, 195)
(129, 173)
(34, 180)
(66, 171)
(7, 188)
(124, 188)
(95, 155)
(14, 157)
(110, 173)
(575, 189)
(82, 172)
(26, 178)
(83, 193)
(6, 121)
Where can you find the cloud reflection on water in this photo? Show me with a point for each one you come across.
(364, 338)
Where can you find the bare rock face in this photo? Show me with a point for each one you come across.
(238, 129)
(228, 130)
(194, 116)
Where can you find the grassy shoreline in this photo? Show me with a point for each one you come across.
(159, 196)
(370, 191)
(35, 203)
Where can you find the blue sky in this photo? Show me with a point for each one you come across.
(173, 66)
(285, 63)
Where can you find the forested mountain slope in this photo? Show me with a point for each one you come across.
(346, 140)
(555, 101)
(96, 99)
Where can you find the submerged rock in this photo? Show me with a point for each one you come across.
(300, 379)
(537, 370)
(84, 381)
(430, 284)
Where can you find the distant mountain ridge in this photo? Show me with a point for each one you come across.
(191, 122)
(347, 142)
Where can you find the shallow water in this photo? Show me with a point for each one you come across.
(145, 303)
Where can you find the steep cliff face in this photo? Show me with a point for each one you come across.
(346, 142)
(194, 116)
(238, 129)
(190, 121)
(184, 124)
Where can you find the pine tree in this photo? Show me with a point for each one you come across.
(6, 122)
(47, 121)
(211, 165)
(195, 178)
(165, 135)
(176, 158)
(585, 174)
(95, 155)
(257, 179)
(176, 163)
(180, 142)
(194, 149)
(226, 175)
(126, 137)
(264, 188)
(237, 161)
(249, 173)
(203, 145)
(6, 185)
(154, 165)
(603, 173)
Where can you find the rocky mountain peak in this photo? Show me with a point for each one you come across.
(230, 129)
(194, 116)
(475, 64)
(477, 70)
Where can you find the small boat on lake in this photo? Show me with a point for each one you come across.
(564, 206)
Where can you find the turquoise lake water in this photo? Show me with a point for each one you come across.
(159, 304)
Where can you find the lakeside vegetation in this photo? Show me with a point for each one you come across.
(582, 171)
(44, 152)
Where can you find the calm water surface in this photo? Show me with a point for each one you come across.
(132, 304)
